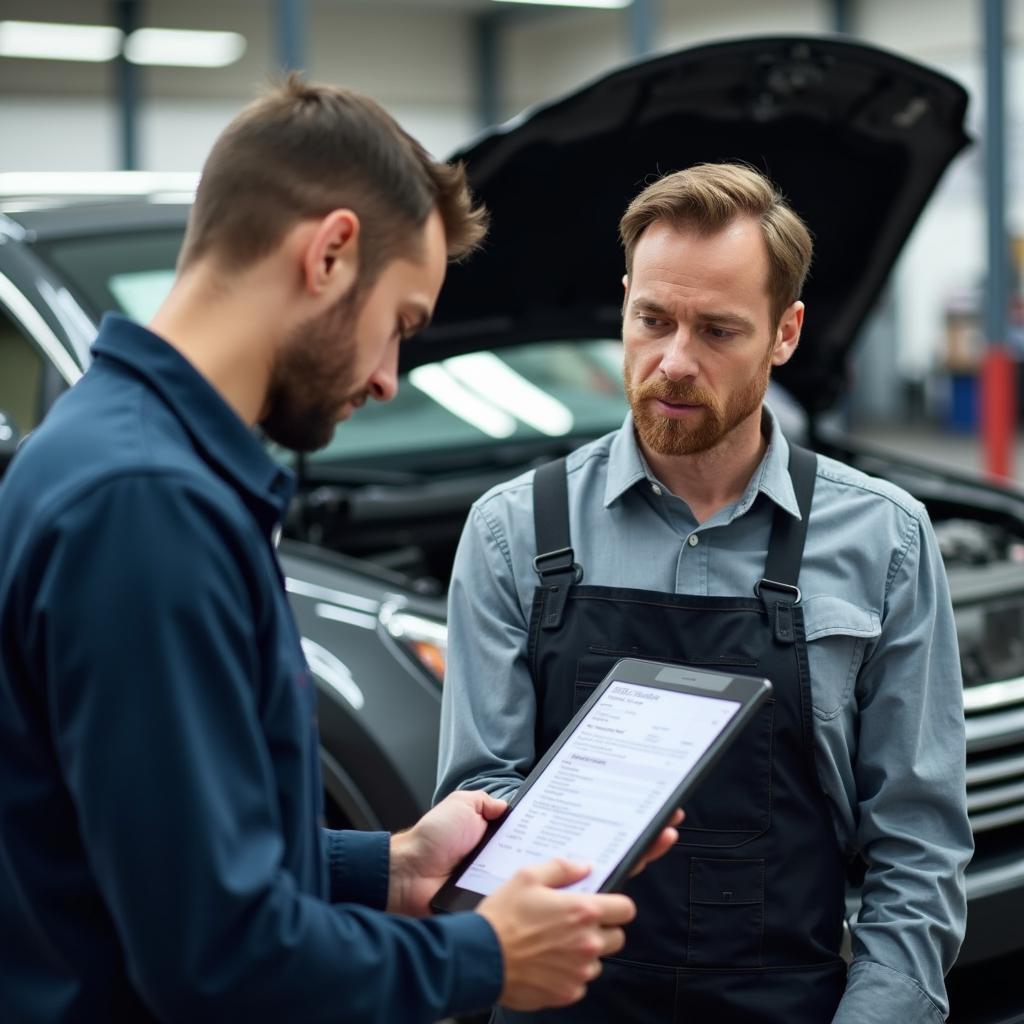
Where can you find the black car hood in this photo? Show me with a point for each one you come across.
(856, 137)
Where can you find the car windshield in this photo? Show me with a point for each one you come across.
(553, 389)
(544, 389)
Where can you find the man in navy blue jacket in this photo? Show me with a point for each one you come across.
(160, 852)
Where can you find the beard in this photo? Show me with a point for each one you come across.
(666, 436)
(311, 378)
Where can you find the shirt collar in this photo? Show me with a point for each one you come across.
(627, 468)
(217, 431)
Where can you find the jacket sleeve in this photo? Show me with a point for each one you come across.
(912, 825)
(358, 866)
(142, 632)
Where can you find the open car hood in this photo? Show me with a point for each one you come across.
(857, 138)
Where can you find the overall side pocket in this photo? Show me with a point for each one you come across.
(726, 913)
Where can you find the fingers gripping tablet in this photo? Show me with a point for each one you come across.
(632, 754)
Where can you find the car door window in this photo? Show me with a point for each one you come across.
(22, 378)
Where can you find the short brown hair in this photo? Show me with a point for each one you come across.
(303, 150)
(708, 197)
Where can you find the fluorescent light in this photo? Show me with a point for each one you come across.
(604, 4)
(184, 48)
(436, 382)
(493, 379)
(53, 41)
(45, 40)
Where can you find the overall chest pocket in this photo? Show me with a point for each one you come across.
(734, 803)
(838, 635)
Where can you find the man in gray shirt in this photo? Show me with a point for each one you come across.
(697, 534)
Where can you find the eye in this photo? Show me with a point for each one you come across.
(650, 322)
(719, 333)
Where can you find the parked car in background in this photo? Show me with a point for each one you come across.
(523, 363)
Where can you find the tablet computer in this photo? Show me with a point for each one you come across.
(641, 743)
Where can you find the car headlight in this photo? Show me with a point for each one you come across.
(426, 640)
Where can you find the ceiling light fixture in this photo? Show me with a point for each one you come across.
(184, 48)
(52, 41)
(602, 4)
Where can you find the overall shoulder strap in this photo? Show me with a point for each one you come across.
(554, 561)
(778, 588)
(551, 507)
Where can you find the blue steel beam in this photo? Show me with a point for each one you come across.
(999, 368)
(290, 37)
(488, 68)
(995, 170)
(127, 16)
(842, 20)
(641, 27)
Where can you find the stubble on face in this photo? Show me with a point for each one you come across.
(665, 435)
(311, 379)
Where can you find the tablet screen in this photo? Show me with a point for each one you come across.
(603, 786)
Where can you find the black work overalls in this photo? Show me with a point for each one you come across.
(742, 920)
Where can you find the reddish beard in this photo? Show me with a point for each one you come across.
(668, 436)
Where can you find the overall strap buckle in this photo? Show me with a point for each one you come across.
(779, 600)
(553, 563)
(558, 571)
(786, 548)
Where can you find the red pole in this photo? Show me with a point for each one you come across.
(998, 410)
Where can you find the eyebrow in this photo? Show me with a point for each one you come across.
(728, 320)
(650, 306)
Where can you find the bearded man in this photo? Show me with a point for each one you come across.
(161, 855)
(696, 534)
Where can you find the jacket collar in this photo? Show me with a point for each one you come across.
(220, 436)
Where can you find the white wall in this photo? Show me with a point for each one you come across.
(945, 258)
(61, 116)
(545, 55)
(45, 133)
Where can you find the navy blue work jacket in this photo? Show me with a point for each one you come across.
(160, 849)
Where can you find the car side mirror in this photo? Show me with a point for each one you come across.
(9, 438)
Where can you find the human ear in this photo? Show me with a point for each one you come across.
(787, 335)
(330, 255)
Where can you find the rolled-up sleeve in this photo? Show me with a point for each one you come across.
(142, 627)
(488, 706)
(912, 824)
(358, 866)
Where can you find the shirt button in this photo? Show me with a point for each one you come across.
(693, 540)
(656, 489)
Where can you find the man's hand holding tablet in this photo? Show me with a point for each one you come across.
(551, 941)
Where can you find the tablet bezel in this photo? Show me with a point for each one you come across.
(750, 691)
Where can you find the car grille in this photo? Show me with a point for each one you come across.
(995, 762)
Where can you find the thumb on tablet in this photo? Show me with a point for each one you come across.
(559, 872)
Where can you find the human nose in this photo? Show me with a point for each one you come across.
(383, 382)
(679, 360)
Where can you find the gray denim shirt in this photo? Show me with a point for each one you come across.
(885, 674)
